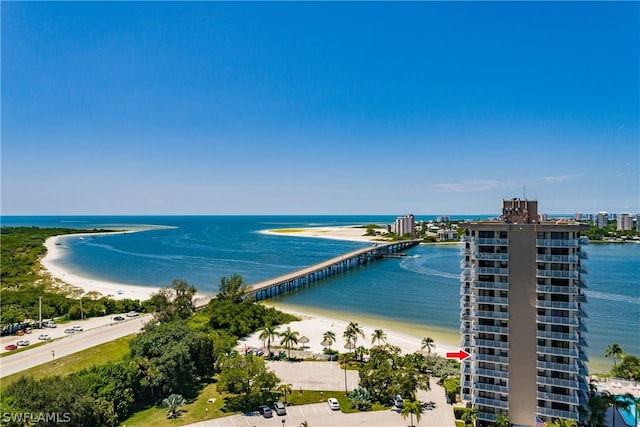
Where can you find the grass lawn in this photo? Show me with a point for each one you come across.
(192, 412)
(98, 355)
(308, 397)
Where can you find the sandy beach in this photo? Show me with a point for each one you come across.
(313, 326)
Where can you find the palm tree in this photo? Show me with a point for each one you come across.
(173, 402)
(614, 351)
(329, 337)
(304, 424)
(563, 422)
(410, 408)
(469, 416)
(360, 398)
(596, 410)
(268, 333)
(285, 388)
(289, 337)
(502, 420)
(378, 335)
(351, 333)
(428, 343)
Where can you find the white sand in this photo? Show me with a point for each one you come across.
(352, 233)
(314, 327)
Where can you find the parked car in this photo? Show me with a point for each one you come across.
(23, 343)
(132, 313)
(11, 347)
(44, 337)
(398, 401)
(77, 328)
(279, 408)
(333, 404)
(265, 411)
(118, 318)
(50, 324)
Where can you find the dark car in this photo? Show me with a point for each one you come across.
(265, 411)
(118, 318)
(11, 347)
(398, 401)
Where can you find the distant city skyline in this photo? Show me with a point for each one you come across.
(218, 108)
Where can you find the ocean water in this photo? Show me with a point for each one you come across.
(411, 293)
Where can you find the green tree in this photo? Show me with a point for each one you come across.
(285, 389)
(248, 376)
(329, 337)
(563, 422)
(173, 402)
(410, 408)
(351, 333)
(268, 333)
(469, 416)
(596, 409)
(629, 367)
(289, 338)
(615, 352)
(379, 336)
(232, 288)
(428, 343)
(502, 420)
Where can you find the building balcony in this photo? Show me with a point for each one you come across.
(557, 243)
(492, 403)
(491, 344)
(562, 259)
(476, 284)
(465, 264)
(491, 358)
(556, 382)
(490, 373)
(555, 320)
(557, 274)
(489, 242)
(465, 289)
(486, 416)
(491, 329)
(491, 256)
(560, 398)
(556, 413)
(564, 290)
(556, 351)
(558, 305)
(464, 251)
(583, 254)
(583, 269)
(490, 270)
(491, 387)
(581, 283)
(571, 368)
(559, 336)
(491, 314)
(489, 300)
(584, 241)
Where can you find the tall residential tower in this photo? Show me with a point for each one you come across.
(522, 316)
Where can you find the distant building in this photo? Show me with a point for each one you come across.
(522, 316)
(447, 235)
(624, 222)
(577, 216)
(589, 217)
(601, 220)
(443, 218)
(638, 222)
(405, 225)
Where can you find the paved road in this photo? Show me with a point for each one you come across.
(97, 331)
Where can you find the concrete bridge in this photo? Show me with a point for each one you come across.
(309, 275)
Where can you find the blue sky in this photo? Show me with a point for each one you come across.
(319, 108)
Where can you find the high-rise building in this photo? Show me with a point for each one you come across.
(405, 225)
(522, 310)
(625, 222)
(601, 220)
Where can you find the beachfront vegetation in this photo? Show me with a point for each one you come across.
(629, 366)
(609, 232)
(24, 282)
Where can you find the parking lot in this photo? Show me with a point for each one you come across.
(328, 376)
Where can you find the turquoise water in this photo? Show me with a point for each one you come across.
(420, 291)
(629, 414)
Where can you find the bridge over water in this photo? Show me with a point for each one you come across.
(309, 275)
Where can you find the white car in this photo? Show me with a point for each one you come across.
(44, 337)
(333, 404)
(22, 343)
(132, 314)
(77, 328)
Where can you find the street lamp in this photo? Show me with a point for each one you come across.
(40, 312)
(283, 421)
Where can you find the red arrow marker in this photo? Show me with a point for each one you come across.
(462, 355)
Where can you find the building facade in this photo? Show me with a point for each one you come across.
(601, 220)
(405, 225)
(522, 310)
(624, 222)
